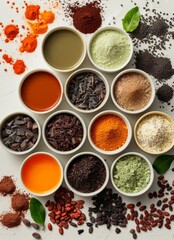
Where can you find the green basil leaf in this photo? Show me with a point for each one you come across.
(37, 211)
(162, 163)
(131, 19)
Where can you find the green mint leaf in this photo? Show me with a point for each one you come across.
(37, 211)
(131, 19)
(162, 163)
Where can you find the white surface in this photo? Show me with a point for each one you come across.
(9, 102)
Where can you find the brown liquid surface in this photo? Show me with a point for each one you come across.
(63, 49)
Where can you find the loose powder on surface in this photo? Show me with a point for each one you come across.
(132, 91)
(131, 174)
(155, 133)
(7, 186)
(110, 49)
(11, 219)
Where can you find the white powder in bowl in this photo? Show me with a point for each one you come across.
(155, 133)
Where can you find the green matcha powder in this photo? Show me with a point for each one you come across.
(131, 174)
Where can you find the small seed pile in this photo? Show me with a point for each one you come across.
(64, 211)
(108, 210)
(160, 213)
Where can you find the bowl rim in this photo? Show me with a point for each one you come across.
(144, 116)
(91, 193)
(151, 175)
(58, 113)
(49, 192)
(129, 137)
(135, 70)
(83, 53)
(26, 76)
(104, 29)
(13, 115)
(101, 76)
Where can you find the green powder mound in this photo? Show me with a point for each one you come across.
(110, 49)
(131, 174)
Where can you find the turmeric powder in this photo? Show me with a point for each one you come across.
(109, 132)
(29, 44)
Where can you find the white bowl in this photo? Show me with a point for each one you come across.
(101, 76)
(10, 116)
(64, 112)
(136, 126)
(143, 190)
(52, 190)
(46, 111)
(102, 29)
(128, 137)
(83, 53)
(82, 193)
(152, 89)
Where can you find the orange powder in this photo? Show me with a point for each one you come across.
(29, 44)
(11, 31)
(41, 173)
(7, 58)
(19, 67)
(40, 91)
(32, 12)
(48, 17)
(39, 27)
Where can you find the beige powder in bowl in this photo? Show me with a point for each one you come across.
(132, 91)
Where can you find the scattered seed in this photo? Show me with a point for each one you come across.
(36, 235)
(80, 231)
(26, 222)
(117, 230)
(35, 225)
(91, 229)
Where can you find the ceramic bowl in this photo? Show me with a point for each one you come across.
(50, 109)
(31, 185)
(126, 121)
(87, 70)
(47, 122)
(144, 189)
(75, 190)
(152, 89)
(102, 29)
(148, 115)
(83, 54)
(10, 117)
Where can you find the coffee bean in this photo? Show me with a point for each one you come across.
(142, 208)
(50, 227)
(130, 205)
(159, 203)
(61, 230)
(36, 235)
(73, 224)
(89, 224)
(134, 236)
(26, 222)
(35, 225)
(138, 204)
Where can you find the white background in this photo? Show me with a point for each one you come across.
(9, 103)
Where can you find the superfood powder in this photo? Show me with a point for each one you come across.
(7, 186)
(110, 49)
(132, 91)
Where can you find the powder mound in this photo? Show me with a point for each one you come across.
(48, 17)
(29, 44)
(32, 12)
(7, 186)
(20, 202)
(11, 31)
(19, 66)
(11, 220)
(159, 67)
(165, 93)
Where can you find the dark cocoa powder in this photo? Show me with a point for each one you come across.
(11, 219)
(20, 202)
(7, 186)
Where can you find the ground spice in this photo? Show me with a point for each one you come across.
(39, 27)
(109, 132)
(159, 67)
(132, 91)
(19, 67)
(11, 220)
(7, 58)
(165, 93)
(48, 17)
(29, 44)
(20, 202)
(11, 31)
(7, 186)
(32, 12)
(155, 133)
(87, 18)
